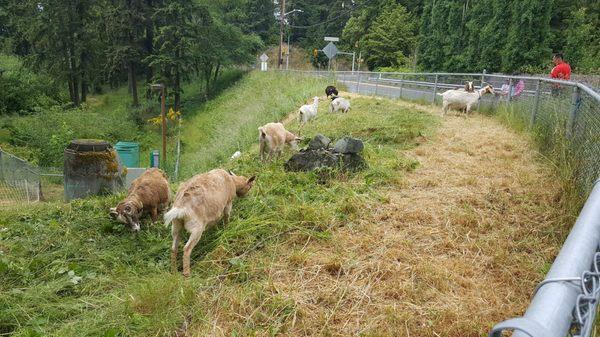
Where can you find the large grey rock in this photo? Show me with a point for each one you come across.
(348, 145)
(319, 142)
(353, 162)
(309, 160)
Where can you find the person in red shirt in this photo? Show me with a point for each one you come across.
(561, 70)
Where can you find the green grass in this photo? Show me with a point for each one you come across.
(68, 270)
(229, 123)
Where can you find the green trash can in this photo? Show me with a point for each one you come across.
(129, 153)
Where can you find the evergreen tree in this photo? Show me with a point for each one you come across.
(528, 35)
(390, 39)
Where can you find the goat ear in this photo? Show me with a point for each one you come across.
(231, 173)
(113, 212)
(251, 179)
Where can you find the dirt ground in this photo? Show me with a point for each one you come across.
(454, 249)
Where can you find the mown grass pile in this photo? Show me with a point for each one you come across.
(68, 270)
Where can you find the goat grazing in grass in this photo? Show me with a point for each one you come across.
(271, 139)
(462, 99)
(148, 194)
(200, 203)
(331, 91)
(339, 103)
(309, 111)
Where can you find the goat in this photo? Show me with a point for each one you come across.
(469, 87)
(331, 91)
(339, 103)
(309, 111)
(148, 193)
(463, 99)
(272, 137)
(200, 203)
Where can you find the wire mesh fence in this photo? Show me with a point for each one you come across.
(564, 116)
(19, 181)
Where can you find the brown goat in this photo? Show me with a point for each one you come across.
(148, 194)
(200, 203)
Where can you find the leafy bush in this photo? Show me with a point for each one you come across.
(22, 91)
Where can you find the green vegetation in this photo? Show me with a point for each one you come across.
(42, 137)
(230, 122)
(85, 46)
(68, 270)
(23, 91)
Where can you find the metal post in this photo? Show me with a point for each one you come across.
(434, 89)
(27, 190)
(551, 311)
(377, 84)
(536, 103)
(353, 57)
(573, 114)
(287, 57)
(358, 83)
(401, 85)
(482, 81)
(510, 86)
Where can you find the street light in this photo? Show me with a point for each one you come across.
(163, 108)
(282, 15)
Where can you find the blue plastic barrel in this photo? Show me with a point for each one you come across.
(129, 153)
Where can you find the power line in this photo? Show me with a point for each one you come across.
(329, 20)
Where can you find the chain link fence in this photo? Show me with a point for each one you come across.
(19, 181)
(564, 118)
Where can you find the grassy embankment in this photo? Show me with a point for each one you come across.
(67, 270)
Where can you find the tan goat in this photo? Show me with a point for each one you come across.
(200, 202)
(272, 137)
(148, 194)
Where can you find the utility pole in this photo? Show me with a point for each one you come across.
(281, 18)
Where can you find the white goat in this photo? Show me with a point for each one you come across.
(463, 99)
(309, 111)
(200, 202)
(339, 103)
(272, 137)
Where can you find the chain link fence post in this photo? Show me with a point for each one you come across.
(482, 81)
(575, 99)
(377, 84)
(435, 85)
(536, 103)
(401, 85)
(510, 87)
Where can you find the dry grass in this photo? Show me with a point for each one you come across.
(456, 247)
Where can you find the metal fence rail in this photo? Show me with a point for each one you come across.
(19, 181)
(565, 118)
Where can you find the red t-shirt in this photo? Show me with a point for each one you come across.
(561, 71)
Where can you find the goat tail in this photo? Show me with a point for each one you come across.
(262, 132)
(174, 214)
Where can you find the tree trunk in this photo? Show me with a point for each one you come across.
(133, 83)
(207, 76)
(84, 89)
(217, 73)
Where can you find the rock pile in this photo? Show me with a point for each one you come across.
(319, 154)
